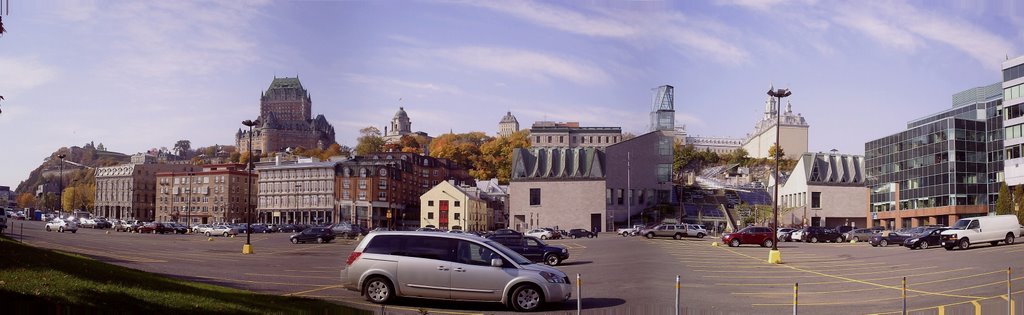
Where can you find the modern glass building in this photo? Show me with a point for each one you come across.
(943, 167)
(1013, 113)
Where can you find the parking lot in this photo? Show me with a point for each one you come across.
(620, 275)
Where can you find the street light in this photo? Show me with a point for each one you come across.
(774, 256)
(188, 203)
(60, 184)
(296, 213)
(247, 248)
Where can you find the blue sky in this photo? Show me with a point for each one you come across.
(135, 75)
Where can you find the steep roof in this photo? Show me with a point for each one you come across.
(285, 83)
(558, 163)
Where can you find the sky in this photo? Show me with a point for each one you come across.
(136, 75)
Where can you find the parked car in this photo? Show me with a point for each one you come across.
(222, 230)
(155, 228)
(696, 230)
(814, 234)
(783, 233)
(506, 231)
(796, 236)
(859, 235)
(533, 248)
(61, 225)
(541, 233)
(886, 238)
(87, 223)
(201, 228)
(389, 265)
(929, 237)
(991, 229)
(676, 231)
(318, 234)
(260, 228)
(428, 229)
(580, 233)
(176, 228)
(289, 228)
(843, 229)
(750, 235)
(633, 231)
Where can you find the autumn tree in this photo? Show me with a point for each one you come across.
(495, 160)
(26, 200)
(369, 141)
(771, 152)
(463, 148)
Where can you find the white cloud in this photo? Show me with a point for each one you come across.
(523, 63)
(691, 37)
(884, 31)
(402, 84)
(23, 73)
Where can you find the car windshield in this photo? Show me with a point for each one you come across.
(516, 257)
(960, 225)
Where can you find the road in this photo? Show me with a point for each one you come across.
(620, 275)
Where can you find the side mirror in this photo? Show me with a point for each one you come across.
(496, 262)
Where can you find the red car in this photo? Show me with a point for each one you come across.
(750, 235)
(155, 228)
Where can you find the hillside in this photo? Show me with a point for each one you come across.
(88, 156)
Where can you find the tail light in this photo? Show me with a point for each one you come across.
(352, 258)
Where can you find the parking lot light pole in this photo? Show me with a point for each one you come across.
(188, 211)
(60, 184)
(774, 256)
(247, 248)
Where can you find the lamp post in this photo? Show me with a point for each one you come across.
(60, 184)
(774, 256)
(247, 248)
(188, 203)
(296, 213)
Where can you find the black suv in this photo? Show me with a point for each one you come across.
(814, 234)
(533, 248)
(580, 233)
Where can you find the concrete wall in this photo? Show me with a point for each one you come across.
(566, 204)
(794, 142)
(644, 158)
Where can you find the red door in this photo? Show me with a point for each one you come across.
(443, 215)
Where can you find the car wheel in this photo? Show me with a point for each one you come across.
(552, 260)
(154, 232)
(207, 234)
(1009, 239)
(378, 290)
(295, 240)
(883, 243)
(874, 245)
(964, 244)
(60, 229)
(225, 234)
(924, 245)
(48, 228)
(768, 243)
(73, 231)
(572, 236)
(677, 236)
(590, 235)
(649, 235)
(319, 240)
(700, 235)
(734, 243)
(856, 239)
(814, 239)
(526, 298)
(543, 237)
(839, 239)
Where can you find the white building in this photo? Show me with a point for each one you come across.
(825, 189)
(793, 132)
(447, 206)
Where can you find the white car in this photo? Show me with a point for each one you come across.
(223, 230)
(540, 233)
(797, 235)
(61, 225)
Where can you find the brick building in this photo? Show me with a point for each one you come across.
(370, 186)
(285, 121)
(214, 194)
(128, 191)
(299, 191)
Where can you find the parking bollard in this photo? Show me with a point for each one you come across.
(1009, 294)
(579, 294)
(903, 294)
(677, 295)
(796, 291)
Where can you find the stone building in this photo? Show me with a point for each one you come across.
(298, 192)
(639, 175)
(825, 189)
(557, 187)
(401, 126)
(215, 194)
(370, 186)
(128, 191)
(508, 125)
(549, 134)
(793, 132)
(285, 121)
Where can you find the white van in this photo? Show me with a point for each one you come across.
(990, 229)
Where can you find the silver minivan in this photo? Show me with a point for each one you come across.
(446, 266)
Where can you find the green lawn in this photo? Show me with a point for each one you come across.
(34, 280)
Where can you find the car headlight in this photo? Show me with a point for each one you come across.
(913, 240)
(553, 278)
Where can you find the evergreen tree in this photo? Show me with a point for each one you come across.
(1004, 205)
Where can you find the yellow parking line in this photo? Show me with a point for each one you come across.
(888, 271)
(314, 290)
(941, 307)
(261, 282)
(299, 249)
(291, 276)
(977, 307)
(865, 267)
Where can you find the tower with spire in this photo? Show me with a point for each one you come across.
(508, 125)
(286, 120)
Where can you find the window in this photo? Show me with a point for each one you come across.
(458, 216)
(362, 195)
(664, 173)
(430, 203)
(665, 146)
(456, 204)
(382, 196)
(815, 199)
(534, 196)
(473, 254)
(430, 248)
(430, 215)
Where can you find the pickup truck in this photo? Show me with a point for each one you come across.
(634, 231)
